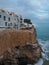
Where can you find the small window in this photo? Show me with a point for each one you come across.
(4, 18)
(17, 27)
(20, 18)
(0, 16)
(5, 23)
(11, 24)
(9, 19)
(20, 21)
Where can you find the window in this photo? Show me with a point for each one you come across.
(11, 24)
(0, 16)
(9, 19)
(5, 23)
(20, 21)
(17, 27)
(4, 18)
(20, 18)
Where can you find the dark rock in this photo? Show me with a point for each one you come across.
(27, 54)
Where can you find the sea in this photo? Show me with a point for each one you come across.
(42, 30)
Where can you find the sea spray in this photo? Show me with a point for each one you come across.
(45, 54)
(40, 62)
(45, 48)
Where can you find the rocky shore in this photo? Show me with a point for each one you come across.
(19, 47)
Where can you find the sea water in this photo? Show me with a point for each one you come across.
(43, 38)
(45, 54)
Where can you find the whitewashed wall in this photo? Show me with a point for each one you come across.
(13, 20)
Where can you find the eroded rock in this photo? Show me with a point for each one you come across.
(19, 47)
(27, 54)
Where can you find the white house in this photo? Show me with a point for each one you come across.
(10, 20)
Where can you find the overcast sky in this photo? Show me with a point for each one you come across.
(36, 10)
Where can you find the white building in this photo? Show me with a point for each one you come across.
(9, 20)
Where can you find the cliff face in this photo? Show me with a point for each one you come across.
(21, 43)
(12, 38)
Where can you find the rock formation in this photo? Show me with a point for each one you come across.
(19, 47)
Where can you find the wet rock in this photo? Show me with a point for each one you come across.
(8, 59)
(32, 52)
(27, 54)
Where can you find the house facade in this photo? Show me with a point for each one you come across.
(10, 20)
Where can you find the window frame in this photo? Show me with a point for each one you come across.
(0, 16)
(5, 23)
(8, 18)
(4, 18)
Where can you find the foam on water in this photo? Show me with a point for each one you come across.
(45, 48)
(40, 62)
(45, 53)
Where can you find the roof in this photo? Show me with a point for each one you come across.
(10, 13)
(1, 10)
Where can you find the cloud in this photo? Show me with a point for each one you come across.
(37, 9)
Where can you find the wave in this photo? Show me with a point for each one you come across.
(45, 48)
(45, 53)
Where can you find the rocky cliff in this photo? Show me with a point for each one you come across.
(21, 46)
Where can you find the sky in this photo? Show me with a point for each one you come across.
(36, 10)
